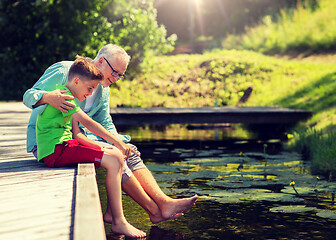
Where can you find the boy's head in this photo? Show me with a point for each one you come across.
(112, 61)
(83, 77)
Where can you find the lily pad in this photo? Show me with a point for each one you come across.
(327, 214)
(300, 190)
(230, 184)
(237, 178)
(207, 162)
(293, 209)
(249, 195)
(203, 174)
(165, 168)
(208, 152)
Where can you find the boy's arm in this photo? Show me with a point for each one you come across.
(99, 130)
(82, 139)
(104, 118)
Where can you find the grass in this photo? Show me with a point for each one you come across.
(220, 77)
(300, 30)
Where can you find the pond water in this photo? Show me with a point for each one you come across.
(243, 185)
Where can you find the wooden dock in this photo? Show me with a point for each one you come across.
(37, 202)
(248, 115)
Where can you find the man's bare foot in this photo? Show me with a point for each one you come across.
(127, 229)
(157, 219)
(174, 206)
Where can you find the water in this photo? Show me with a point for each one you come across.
(240, 181)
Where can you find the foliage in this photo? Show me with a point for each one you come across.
(220, 78)
(215, 18)
(308, 28)
(141, 36)
(317, 145)
(38, 33)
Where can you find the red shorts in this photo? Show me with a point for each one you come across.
(69, 153)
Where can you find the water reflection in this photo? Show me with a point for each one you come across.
(155, 233)
(236, 192)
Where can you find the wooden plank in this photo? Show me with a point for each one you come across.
(88, 213)
(36, 202)
(250, 115)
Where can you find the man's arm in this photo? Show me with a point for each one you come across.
(41, 93)
(56, 99)
(99, 130)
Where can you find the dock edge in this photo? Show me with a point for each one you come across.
(88, 222)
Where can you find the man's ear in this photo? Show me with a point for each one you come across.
(101, 60)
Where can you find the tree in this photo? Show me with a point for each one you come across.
(37, 33)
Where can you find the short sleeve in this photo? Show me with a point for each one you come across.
(74, 110)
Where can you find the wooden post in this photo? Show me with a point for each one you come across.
(88, 213)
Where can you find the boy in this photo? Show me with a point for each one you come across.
(61, 143)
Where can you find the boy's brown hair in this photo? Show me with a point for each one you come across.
(85, 67)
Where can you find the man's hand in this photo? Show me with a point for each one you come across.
(57, 99)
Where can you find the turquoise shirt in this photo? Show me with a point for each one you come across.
(58, 74)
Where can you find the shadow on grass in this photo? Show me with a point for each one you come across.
(317, 96)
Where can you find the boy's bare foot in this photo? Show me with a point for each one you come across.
(127, 229)
(174, 206)
(153, 218)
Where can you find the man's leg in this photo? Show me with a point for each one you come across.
(143, 188)
(169, 207)
(112, 161)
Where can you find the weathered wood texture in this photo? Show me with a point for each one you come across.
(36, 202)
(164, 116)
(88, 215)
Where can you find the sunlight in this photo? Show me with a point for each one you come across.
(197, 8)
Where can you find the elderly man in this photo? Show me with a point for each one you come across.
(137, 180)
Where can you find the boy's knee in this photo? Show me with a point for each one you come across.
(116, 154)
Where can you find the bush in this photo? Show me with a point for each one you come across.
(36, 34)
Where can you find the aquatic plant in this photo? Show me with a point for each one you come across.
(241, 165)
(293, 186)
(315, 145)
(265, 159)
(317, 179)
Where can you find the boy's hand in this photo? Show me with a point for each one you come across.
(58, 100)
(127, 150)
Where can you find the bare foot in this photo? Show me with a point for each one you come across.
(157, 219)
(174, 206)
(128, 230)
(153, 218)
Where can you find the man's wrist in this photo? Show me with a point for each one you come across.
(43, 100)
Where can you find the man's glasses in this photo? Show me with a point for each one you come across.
(114, 72)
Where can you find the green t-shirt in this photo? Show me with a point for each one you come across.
(53, 127)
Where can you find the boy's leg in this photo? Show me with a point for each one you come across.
(143, 188)
(70, 153)
(126, 172)
(112, 161)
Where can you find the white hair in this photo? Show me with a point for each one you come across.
(111, 51)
